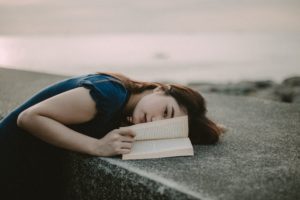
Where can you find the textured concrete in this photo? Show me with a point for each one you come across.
(258, 158)
(17, 86)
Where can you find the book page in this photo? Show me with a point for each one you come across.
(156, 148)
(162, 129)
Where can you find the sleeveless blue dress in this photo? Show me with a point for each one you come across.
(31, 168)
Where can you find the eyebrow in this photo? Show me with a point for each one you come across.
(172, 115)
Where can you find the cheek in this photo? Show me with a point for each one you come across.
(139, 108)
(148, 105)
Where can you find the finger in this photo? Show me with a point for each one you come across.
(127, 139)
(127, 132)
(126, 145)
(124, 151)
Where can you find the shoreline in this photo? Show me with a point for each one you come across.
(287, 91)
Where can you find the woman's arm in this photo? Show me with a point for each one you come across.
(47, 120)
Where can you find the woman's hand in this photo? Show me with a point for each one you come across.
(117, 141)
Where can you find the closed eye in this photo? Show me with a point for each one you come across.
(166, 112)
(172, 112)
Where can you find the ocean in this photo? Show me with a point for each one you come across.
(209, 57)
(167, 40)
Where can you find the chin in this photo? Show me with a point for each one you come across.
(135, 117)
(134, 120)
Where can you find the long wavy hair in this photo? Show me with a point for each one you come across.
(202, 130)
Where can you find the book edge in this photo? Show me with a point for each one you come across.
(160, 154)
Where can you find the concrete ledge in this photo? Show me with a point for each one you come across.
(258, 158)
(104, 178)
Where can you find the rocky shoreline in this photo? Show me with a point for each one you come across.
(287, 91)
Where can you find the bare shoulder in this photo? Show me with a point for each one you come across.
(70, 107)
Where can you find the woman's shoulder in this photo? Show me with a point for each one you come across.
(106, 90)
(104, 81)
(98, 78)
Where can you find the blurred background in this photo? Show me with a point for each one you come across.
(166, 40)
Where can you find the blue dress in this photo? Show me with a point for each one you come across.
(32, 168)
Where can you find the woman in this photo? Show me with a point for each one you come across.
(84, 114)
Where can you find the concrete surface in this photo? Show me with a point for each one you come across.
(258, 158)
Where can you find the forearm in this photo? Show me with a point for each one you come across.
(58, 134)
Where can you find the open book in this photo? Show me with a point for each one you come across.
(163, 138)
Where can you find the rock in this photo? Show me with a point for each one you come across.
(267, 93)
(161, 56)
(201, 86)
(292, 81)
(264, 84)
(285, 93)
(296, 95)
(241, 88)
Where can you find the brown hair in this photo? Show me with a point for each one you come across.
(202, 130)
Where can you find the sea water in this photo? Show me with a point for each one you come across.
(213, 57)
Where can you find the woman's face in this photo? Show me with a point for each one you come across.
(156, 106)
